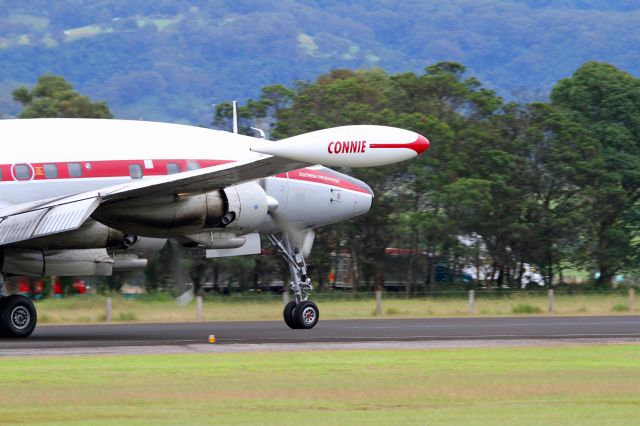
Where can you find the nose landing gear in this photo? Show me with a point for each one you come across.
(301, 313)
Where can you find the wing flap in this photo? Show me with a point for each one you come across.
(46, 221)
(20, 227)
(65, 217)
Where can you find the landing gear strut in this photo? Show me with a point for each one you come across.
(18, 316)
(301, 313)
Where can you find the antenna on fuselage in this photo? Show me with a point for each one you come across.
(235, 116)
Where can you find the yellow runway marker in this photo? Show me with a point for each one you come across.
(212, 338)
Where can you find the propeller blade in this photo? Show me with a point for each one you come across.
(179, 273)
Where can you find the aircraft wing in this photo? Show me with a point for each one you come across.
(36, 219)
(347, 146)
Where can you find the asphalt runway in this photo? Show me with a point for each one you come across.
(349, 331)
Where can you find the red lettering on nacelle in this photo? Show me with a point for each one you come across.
(347, 147)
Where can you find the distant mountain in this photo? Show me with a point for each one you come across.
(170, 60)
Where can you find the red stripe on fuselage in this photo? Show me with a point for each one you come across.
(107, 169)
(120, 169)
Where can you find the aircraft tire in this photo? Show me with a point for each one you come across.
(306, 315)
(18, 316)
(288, 315)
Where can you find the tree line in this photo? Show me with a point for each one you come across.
(552, 185)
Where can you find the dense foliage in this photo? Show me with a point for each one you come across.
(170, 59)
(551, 185)
(54, 97)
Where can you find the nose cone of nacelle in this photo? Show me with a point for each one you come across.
(420, 145)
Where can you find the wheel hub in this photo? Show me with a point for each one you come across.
(309, 315)
(20, 317)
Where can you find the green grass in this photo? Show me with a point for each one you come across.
(525, 308)
(620, 307)
(89, 309)
(585, 385)
(127, 316)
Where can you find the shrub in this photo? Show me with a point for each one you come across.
(525, 308)
(620, 307)
(126, 316)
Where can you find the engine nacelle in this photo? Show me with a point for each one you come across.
(247, 207)
(125, 261)
(239, 208)
(132, 254)
(142, 246)
(56, 262)
(165, 216)
(91, 234)
(215, 239)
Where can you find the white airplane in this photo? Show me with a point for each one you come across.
(89, 197)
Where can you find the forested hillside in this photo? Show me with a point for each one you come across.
(171, 59)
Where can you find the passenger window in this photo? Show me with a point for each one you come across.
(193, 165)
(173, 168)
(74, 169)
(50, 171)
(135, 171)
(22, 172)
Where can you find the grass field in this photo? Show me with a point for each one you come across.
(580, 385)
(89, 309)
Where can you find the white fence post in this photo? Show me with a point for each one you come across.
(378, 302)
(632, 299)
(472, 302)
(551, 301)
(199, 305)
(107, 316)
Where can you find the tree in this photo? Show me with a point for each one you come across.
(549, 185)
(54, 97)
(553, 159)
(606, 102)
(411, 202)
